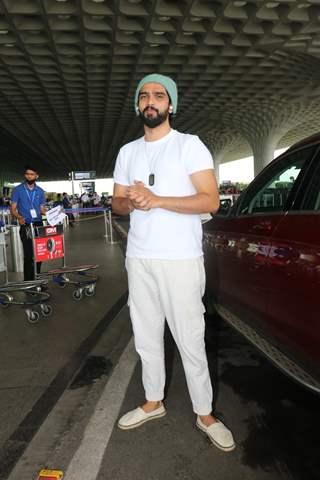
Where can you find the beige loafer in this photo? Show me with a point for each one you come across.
(138, 416)
(219, 435)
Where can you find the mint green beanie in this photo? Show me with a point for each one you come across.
(166, 82)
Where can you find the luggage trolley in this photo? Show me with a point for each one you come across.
(48, 244)
(28, 294)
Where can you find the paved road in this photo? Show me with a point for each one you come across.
(275, 422)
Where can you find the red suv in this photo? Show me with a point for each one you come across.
(262, 258)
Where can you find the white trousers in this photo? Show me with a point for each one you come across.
(171, 290)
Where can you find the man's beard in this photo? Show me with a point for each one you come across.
(31, 182)
(153, 122)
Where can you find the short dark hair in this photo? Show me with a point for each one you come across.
(30, 167)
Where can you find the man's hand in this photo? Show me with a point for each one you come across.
(121, 204)
(141, 197)
(16, 214)
(205, 200)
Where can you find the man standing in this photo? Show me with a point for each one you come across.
(165, 180)
(67, 205)
(96, 199)
(84, 199)
(27, 206)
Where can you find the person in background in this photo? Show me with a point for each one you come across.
(67, 205)
(90, 203)
(103, 200)
(28, 206)
(58, 201)
(96, 199)
(84, 200)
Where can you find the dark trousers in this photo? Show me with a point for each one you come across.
(28, 264)
(71, 219)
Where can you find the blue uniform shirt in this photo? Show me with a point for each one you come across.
(27, 200)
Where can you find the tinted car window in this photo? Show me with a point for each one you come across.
(273, 188)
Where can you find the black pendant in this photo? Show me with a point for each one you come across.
(151, 179)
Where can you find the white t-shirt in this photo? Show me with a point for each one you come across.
(96, 199)
(159, 233)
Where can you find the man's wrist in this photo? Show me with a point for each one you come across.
(158, 201)
(130, 206)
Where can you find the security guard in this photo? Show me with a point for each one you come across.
(27, 206)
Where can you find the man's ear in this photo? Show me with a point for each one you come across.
(170, 109)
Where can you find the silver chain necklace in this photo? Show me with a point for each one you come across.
(152, 162)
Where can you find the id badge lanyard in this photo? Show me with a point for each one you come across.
(33, 211)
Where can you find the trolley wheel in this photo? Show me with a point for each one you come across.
(90, 290)
(32, 316)
(6, 301)
(46, 309)
(60, 281)
(77, 294)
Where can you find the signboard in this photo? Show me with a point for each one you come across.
(55, 215)
(48, 243)
(45, 231)
(87, 186)
(90, 175)
(49, 248)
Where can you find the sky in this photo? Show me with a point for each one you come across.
(236, 171)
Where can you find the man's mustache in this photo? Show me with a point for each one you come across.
(150, 108)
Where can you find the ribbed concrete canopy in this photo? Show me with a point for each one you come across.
(247, 71)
